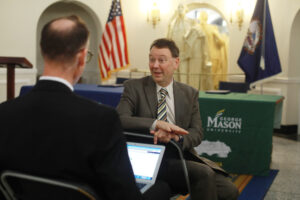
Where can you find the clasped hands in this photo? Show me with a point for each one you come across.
(165, 131)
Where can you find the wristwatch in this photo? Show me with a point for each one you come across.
(180, 141)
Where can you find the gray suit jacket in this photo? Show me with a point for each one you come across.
(138, 111)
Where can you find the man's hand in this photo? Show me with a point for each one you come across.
(170, 128)
(165, 132)
(161, 136)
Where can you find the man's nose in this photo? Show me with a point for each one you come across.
(155, 64)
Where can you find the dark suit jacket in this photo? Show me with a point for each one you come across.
(138, 111)
(52, 132)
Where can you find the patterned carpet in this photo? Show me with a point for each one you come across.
(241, 181)
(249, 186)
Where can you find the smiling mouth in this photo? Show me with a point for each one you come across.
(157, 74)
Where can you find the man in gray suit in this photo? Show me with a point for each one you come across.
(169, 110)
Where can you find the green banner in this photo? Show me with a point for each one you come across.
(238, 130)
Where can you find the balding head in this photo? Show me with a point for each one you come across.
(62, 38)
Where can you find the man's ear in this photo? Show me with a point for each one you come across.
(176, 62)
(81, 55)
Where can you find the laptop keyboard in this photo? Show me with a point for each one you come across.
(140, 185)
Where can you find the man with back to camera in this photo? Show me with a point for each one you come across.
(170, 110)
(52, 132)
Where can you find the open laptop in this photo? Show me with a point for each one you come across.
(145, 160)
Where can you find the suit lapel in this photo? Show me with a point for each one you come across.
(150, 93)
(179, 104)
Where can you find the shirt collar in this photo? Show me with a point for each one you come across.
(169, 88)
(61, 80)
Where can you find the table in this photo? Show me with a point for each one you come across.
(238, 130)
(109, 95)
(238, 127)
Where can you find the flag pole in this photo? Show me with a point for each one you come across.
(264, 32)
(262, 57)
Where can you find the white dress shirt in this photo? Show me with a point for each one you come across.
(169, 102)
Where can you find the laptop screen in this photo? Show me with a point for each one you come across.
(145, 160)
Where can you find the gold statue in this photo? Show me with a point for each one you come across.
(217, 50)
(179, 25)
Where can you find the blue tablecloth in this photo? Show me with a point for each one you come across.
(109, 95)
(250, 145)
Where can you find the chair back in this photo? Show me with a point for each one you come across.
(121, 80)
(241, 87)
(4, 194)
(29, 187)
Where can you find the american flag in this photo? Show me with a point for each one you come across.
(113, 55)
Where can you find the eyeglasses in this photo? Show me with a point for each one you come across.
(89, 56)
(161, 61)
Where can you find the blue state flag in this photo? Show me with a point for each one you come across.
(259, 57)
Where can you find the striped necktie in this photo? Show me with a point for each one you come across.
(162, 105)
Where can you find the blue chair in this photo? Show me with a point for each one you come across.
(241, 87)
(121, 80)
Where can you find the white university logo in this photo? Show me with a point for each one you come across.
(224, 124)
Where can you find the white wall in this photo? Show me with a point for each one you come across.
(18, 37)
(91, 72)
